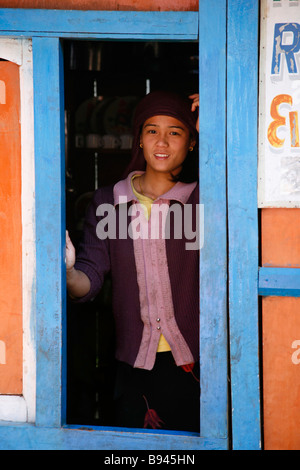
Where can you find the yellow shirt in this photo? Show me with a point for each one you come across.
(163, 345)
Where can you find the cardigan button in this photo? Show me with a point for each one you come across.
(158, 319)
(158, 328)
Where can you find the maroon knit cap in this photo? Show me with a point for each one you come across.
(159, 103)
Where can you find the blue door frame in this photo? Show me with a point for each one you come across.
(228, 73)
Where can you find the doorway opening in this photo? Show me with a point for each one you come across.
(104, 81)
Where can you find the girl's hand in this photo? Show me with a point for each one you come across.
(70, 253)
(78, 283)
(195, 105)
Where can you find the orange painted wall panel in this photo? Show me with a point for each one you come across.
(280, 237)
(281, 376)
(138, 5)
(10, 232)
(280, 242)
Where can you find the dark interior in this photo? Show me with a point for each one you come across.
(103, 83)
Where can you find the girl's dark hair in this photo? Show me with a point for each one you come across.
(190, 167)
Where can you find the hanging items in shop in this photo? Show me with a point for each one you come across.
(105, 122)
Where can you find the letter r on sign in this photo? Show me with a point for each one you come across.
(287, 42)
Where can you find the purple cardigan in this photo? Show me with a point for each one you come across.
(97, 257)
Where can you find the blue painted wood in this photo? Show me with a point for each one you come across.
(50, 211)
(50, 227)
(97, 24)
(242, 87)
(50, 234)
(213, 258)
(30, 437)
(284, 282)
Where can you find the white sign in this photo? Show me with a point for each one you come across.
(279, 107)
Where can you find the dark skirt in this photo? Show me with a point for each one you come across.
(169, 390)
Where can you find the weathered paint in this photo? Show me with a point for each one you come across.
(50, 228)
(50, 236)
(15, 407)
(242, 86)
(50, 209)
(100, 24)
(30, 437)
(294, 128)
(279, 150)
(213, 256)
(280, 237)
(11, 360)
(279, 184)
(2, 352)
(285, 50)
(284, 282)
(281, 379)
(133, 5)
(277, 119)
(28, 225)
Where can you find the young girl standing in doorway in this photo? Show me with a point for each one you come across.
(155, 279)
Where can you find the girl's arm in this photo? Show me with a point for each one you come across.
(78, 284)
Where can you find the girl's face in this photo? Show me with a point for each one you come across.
(166, 142)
